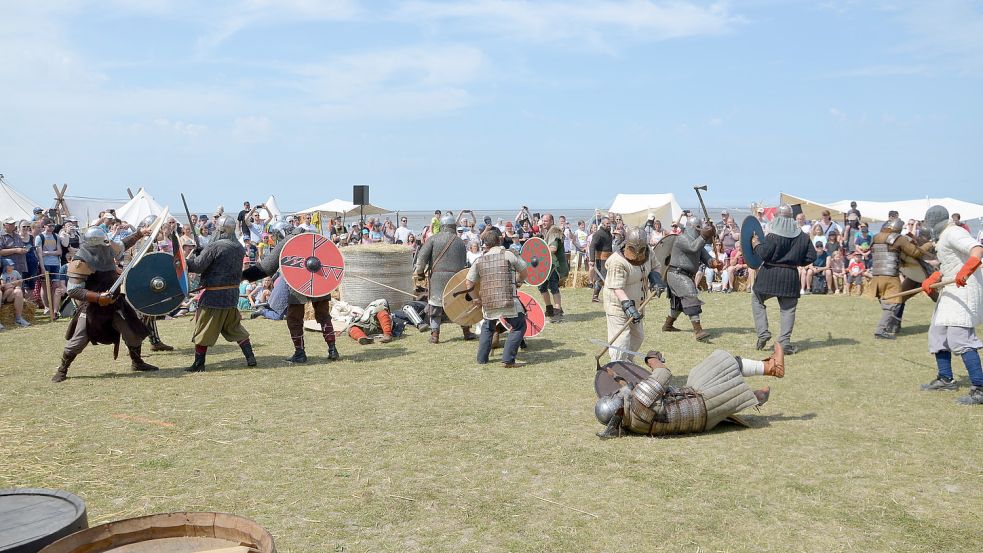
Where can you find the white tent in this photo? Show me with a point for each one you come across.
(334, 208)
(14, 204)
(138, 208)
(635, 208)
(273, 212)
(367, 209)
(912, 209)
(87, 209)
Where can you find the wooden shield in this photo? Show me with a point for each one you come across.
(661, 252)
(535, 316)
(536, 249)
(605, 384)
(152, 287)
(312, 265)
(458, 303)
(751, 227)
(141, 249)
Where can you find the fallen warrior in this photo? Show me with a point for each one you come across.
(715, 390)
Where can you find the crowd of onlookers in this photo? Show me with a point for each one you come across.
(29, 249)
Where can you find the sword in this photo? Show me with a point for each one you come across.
(616, 348)
(194, 232)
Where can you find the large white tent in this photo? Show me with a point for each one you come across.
(87, 209)
(137, 209)
(636, 208)
(273, 212)
(911, 209)
(14, 204)
(334, 208)
(367, 209)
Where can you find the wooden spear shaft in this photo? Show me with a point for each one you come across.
(912, 292)
(624, 327)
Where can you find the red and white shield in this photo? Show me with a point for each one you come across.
(312, 265)
(536, 248)
(535, 316)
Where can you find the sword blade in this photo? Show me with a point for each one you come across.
(194, 232)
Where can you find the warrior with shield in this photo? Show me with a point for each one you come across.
(784, 249)
(634, 400)
(496, 273)
(624, 290)
(156, 344)
(960, 307)
(104, 317)
(688, 252)
(285, 298)
(893, 254)
(441, 256)
(220, 266)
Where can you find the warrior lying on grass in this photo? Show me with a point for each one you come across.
(715, 390)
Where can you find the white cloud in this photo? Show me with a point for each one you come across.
(595, 21)
(835, 113)
(251, 128)
(247, 13)
(179, 127)
(951, 30)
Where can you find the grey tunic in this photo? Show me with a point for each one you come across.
(219, 264)
(442, 267)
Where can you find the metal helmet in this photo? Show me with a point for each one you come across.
(892, 226)
(448, 221)
(95, 236)
(785, 210)
(281, 230)
(607, 407)
(147, 222)
(635, 246)
(225, 227)
(936, 219)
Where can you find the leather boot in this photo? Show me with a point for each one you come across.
(247, 351)
(762, 395)
(386, 338)
(468, 335)
(700, 334)
(136, 362)
(299, 356)
(199, 364)
(594, 298)
(434, 336)
(549, 311)
(62, 373)
(775, 365)
(667, 326)
(160, 346)
(333, 354)
(386, 323)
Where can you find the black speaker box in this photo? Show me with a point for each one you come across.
(360, 194)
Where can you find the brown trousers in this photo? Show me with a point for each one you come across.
(295, 321)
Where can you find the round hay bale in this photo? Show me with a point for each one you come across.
(390, 265)
(31, 518)
(172, 532)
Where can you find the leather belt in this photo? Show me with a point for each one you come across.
(781, 265)
(225, 287)
(681, 271)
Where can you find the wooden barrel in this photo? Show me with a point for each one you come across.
(390, 266)
(170, 533)
(31, 518)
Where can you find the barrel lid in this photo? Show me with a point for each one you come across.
(31, 518)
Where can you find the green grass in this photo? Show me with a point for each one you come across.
(414, 447)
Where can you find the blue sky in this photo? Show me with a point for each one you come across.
(492, 103)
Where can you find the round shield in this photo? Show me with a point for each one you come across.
(661, 253)
(535, 249)
(141, 249)
(152, 287)
(458, 300)
(605, 384)
(535, 316)
(311, 264)
(751, 227)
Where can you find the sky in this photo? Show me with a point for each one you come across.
(492, 103)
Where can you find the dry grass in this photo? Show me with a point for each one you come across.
(413, 447)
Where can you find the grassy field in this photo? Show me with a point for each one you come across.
(414, 447)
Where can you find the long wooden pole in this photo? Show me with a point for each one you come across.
(624, 327)
(914, 291)
(52, 308)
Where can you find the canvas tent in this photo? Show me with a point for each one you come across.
(87, 209)
(635, 208)
(14, 204)
(137, 209)
(814, 210)
(912, 209)
(334, 208)
(273, 212)
(367, 209)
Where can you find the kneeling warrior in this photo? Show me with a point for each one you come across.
(715, 390)
(890, 251)
(105, 317)
(960, 307)
(687, 254)
(220, 265)
(285, 298)
(624, 289)
(442, 256)
(361, 324)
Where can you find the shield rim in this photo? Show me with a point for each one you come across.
(601, 377)
(180, 259)
(473, 315)
(165, 304)
(549, 260)
(663, 267)
(331, 246)
(144, 248)
(526, 309)
(751, 226)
